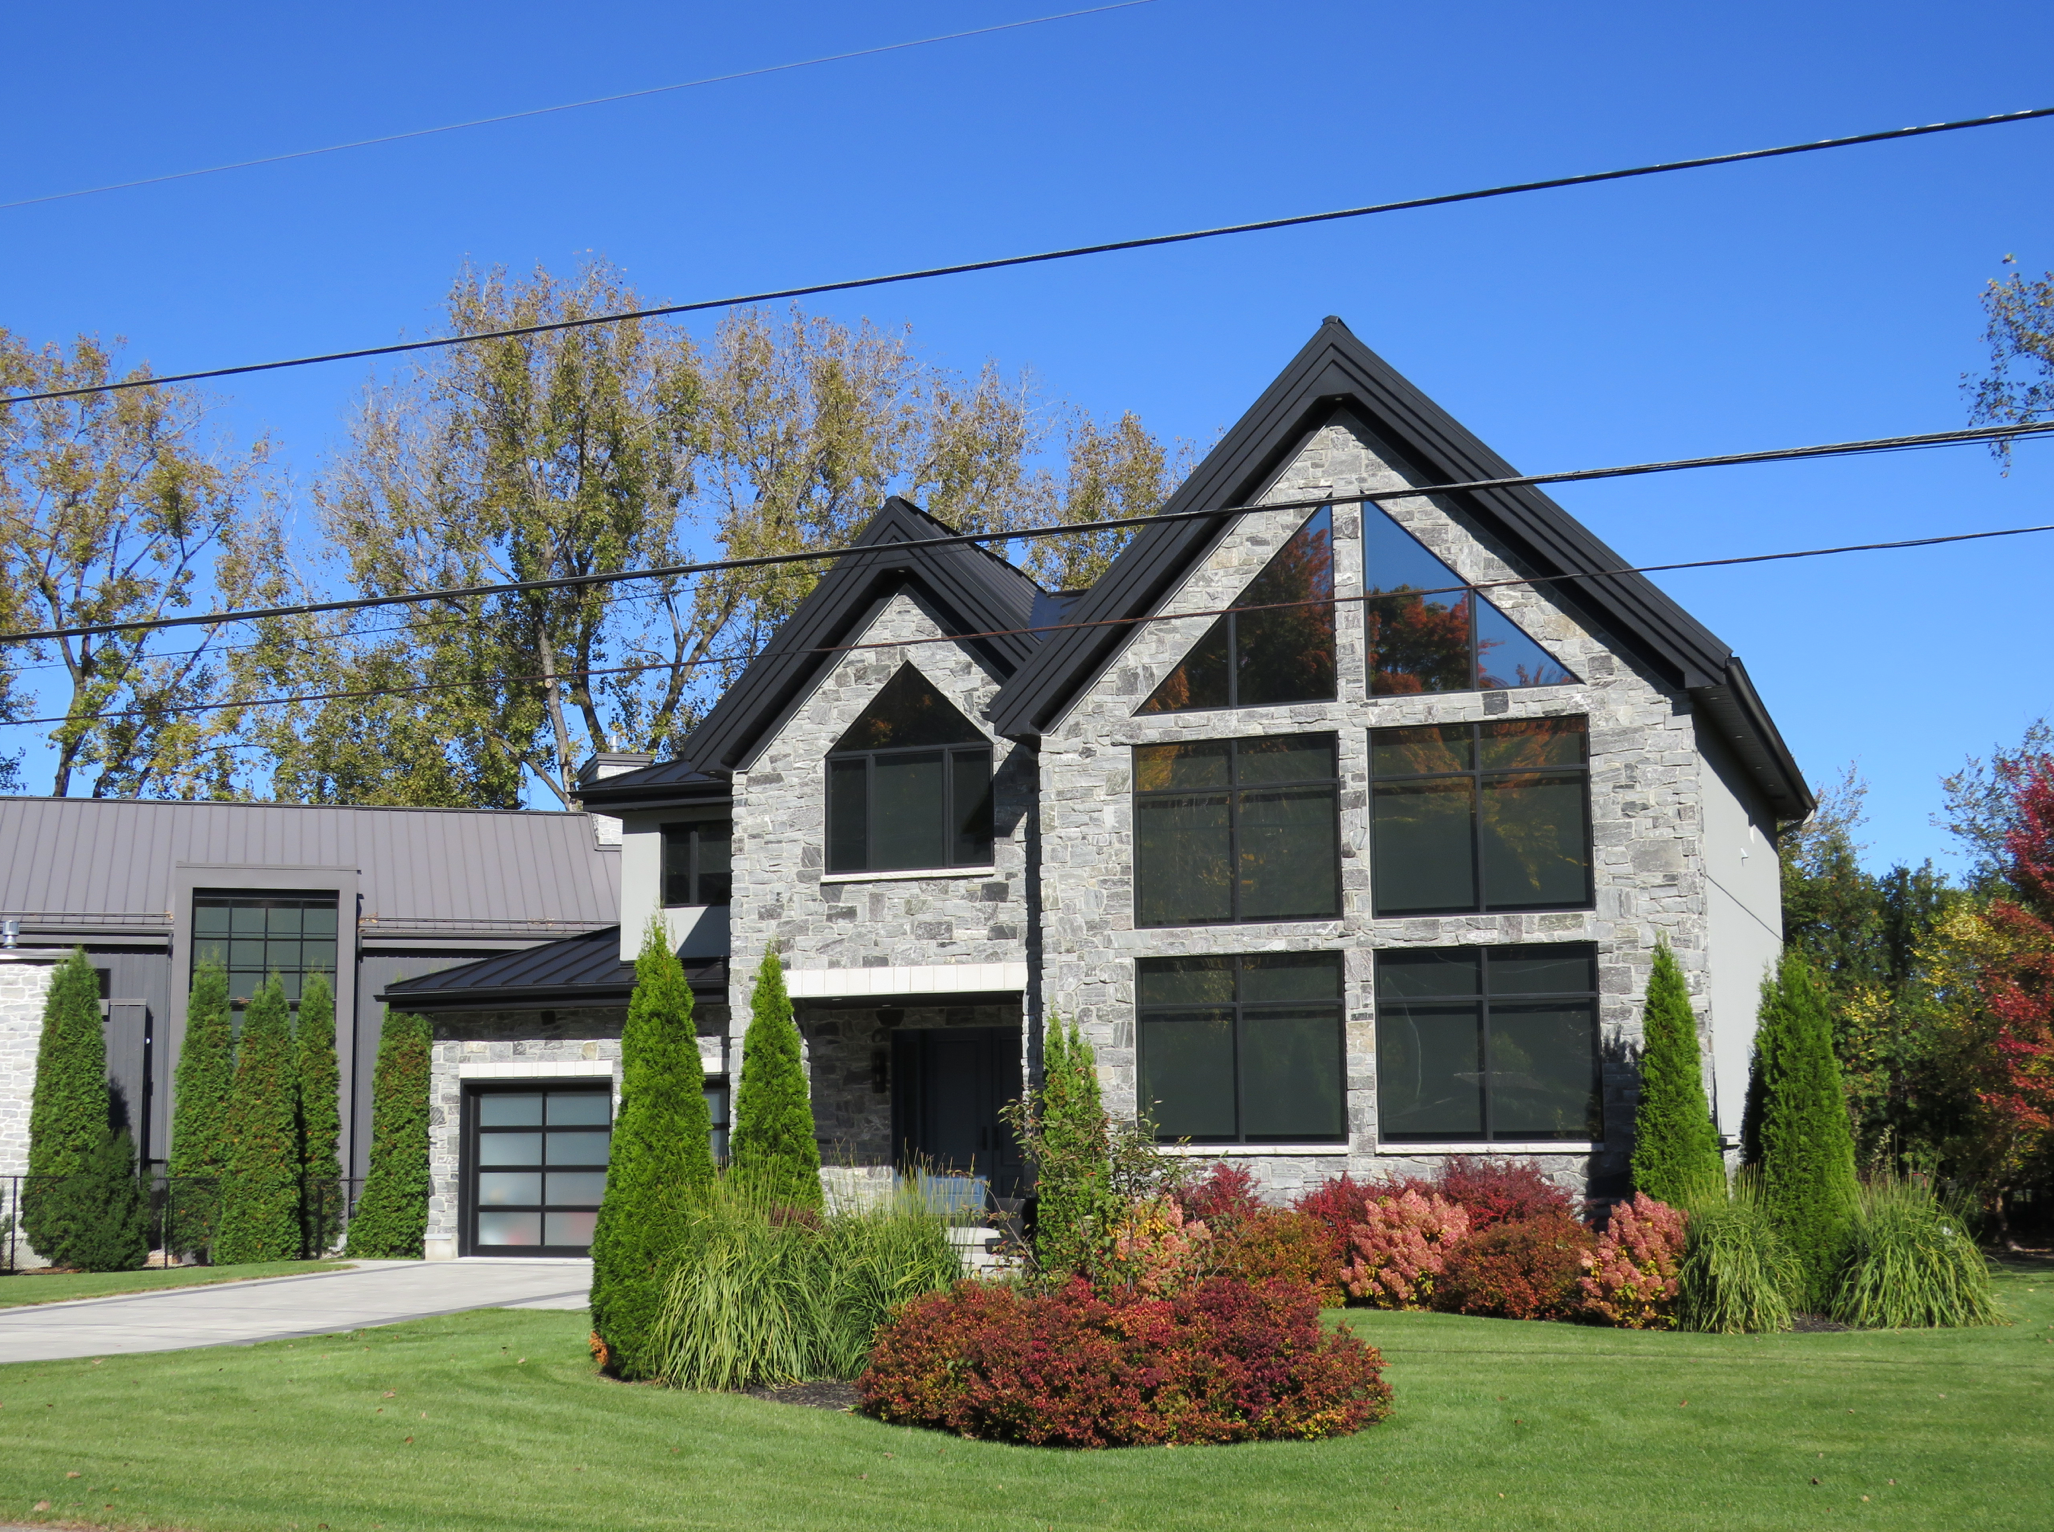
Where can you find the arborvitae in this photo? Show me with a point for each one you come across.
(199, 1112)
(318, 1091)
(1676, 1155)
(68, 1107)
(662, 1152)
(1069, 1139)
(1800, 1126)
(391, 1220)
(772, 1146)
(260, 1193)
(109, 1215)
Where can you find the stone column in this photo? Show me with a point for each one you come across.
(24, 983)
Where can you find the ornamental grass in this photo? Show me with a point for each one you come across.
(1912, 1264)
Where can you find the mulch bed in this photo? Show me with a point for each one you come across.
(818, 1396)
(1816, 1324)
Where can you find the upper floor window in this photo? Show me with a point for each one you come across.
(909, 784)
(1236, 830)
(1280, 651)
(256, 935)
(1483, 1044)
(696, 862)
(1242, 1049)
(1481, 816)
(1429, 632)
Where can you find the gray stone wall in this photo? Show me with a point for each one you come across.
(1645, 801)
(848, 1050)
(24, 985)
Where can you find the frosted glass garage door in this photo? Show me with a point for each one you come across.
(538, 1169)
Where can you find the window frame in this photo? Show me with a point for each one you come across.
(472, 1161)
(1477, 774)
(1486, 956)
(1241, 1009)
(949, 833)
(1234, 788)
(690, 833)
(303, 900)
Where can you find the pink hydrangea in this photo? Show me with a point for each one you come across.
(1402, 1245)
(1630, 1279)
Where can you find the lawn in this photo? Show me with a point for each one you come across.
(61, 1287)
(494, 1419)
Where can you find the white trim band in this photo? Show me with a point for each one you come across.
(1244, 1151)
(910, 872)
(1487, 1151)
(924, 979)
(534, 1069)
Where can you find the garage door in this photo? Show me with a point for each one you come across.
(536, 1168)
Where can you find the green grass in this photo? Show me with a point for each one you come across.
(61, 1287)
(1499, 1425)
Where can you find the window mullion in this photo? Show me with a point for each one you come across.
(1489, 1061)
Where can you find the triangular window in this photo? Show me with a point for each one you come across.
(1280, 651)
(907, 714)
(909, 784)
(1429, 632)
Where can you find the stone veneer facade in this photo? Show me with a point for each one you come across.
(24, 986)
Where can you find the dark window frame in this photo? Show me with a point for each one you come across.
(1234, 789)
(1477, 774)
(474, 1091)
(1486, 995)
(690, 835)
(265, 899)
(950, 824)
(720, 1106)
(1241, 1010)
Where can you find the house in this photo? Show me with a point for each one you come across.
(1366, 871)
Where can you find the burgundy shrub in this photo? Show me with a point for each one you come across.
(1222, 1362)
(1523, 1269)
(1344, 1202)
(1223, 1197)
(1500, 1191)
(1277, 1243)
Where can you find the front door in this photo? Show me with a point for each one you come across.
(948, 1084)
(536, 1168)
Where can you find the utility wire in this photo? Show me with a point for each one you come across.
(1001, 263)
(759, 561)
(569, 106)
(1058, 627)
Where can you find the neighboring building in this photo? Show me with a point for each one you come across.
(367, 895)
(1368, 874)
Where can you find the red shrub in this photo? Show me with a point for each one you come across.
(1500, 1191)
(1224, 1362)
(1526, 1269)
(1222, 1198)
(1343, 1202)
(1629, 1278)
(1278, 1243)
(1395, 1256)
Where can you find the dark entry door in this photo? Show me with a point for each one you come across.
(948, 1084)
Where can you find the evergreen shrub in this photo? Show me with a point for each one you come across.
(1071, 1142)
(391, 1218)
(317, 1090)
(199, 1113)
(662, 1152)
(1525, 1268)
(260, 1193)
(1676, 1153)
(1220, 1362)
(106, 1211)
(1912, 1263)
(1629, 1276)
(68, 1106)
(772, 1143)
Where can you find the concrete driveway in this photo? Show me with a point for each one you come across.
(282, 1308)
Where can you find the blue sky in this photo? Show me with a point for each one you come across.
(1810, 299)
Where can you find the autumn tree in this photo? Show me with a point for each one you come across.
(2019, 328)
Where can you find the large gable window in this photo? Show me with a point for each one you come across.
(1281, 651)
(256, 935)
(1488, 1044)
(1242, 1049)
(909, 785)
(1429, 632)
(1236, 830)
(1473, 817)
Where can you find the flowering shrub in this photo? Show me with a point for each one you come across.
(1396, 1254)
(1278, 1243)
(1629, 1278)
(1525, 1269)
(1221, 1362)
(1500, 1191)
(1223, 1197)
(1156, 1251)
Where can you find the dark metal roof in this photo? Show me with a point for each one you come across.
(971, 590)
(1335, 372)
(577, 971)
(651, 787)
(516, 874)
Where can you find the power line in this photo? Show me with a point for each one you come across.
(570, 106)
(1022, 534)
(1057, 627)
(1001, 263)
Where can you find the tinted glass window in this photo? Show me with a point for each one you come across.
(696, 863)
(892, 808)
(256, 935)
(908, 712)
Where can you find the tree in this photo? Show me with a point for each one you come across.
(1066, 1133)
(2019, 387)
(200, 1093)
(391, 1218)
(662, 1153)
(106, 1211)
(317, 1083)
(1676, 1154)
(68, 1107)
(1796, 1128)
(260, 1192)
(116, 507)
(772, 1144)
(1982, 803)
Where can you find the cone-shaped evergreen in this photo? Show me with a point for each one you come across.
(260, 1195)
(662, 1153)
(68, 1107)
(106, 1210)
(1806, 1146)
(391, 1218)
(1072, 1165)
(317, 1079)
(772, 1146)
(1676, 1155)
(199, 1113)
